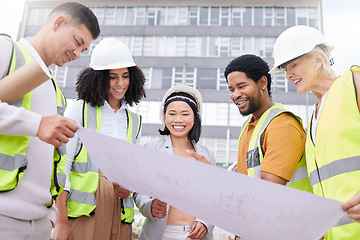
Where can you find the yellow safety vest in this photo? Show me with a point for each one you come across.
(13, 159)
(255, 154)
(84, 174)
(333, 161)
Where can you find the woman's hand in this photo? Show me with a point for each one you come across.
(352, 207)
(197, 156)
(121, 192)
(158, 208)
(197, 231)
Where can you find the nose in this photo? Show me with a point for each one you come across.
(76, 53)
(235, 94)
(288, 75)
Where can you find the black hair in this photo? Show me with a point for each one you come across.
(195, 132)
(93, 85)
(81, 14)
(253, 66)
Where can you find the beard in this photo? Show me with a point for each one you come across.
(254, 104)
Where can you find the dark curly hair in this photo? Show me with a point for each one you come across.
(253, 66)
(93, 85)
(195, 132)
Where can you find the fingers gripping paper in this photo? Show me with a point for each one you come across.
(251, 208)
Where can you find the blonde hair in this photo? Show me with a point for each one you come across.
(326, 66)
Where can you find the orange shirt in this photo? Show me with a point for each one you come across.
(283, 144)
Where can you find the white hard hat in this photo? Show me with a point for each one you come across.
(182, 88)
(111, 53)
(295, 42)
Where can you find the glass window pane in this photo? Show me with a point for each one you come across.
(204, 46)
(130, 15)
(280, 16)
(290, 16)
(247, 45)
(214, 17)
(213, 46)
(301, 16)
(259, 46)
(269, 16)
(313, 17)
(193, 15)
(161, 15)
(120, 14)
(110, 16)
(235, 47)
(100, 14)
(204, 15)
(258, 16)
(247, 16)
(206, 78)
(225, 16)
(140, 16)
(171, 16)
(170, 48)
(236, 16)
(151, 16)
(182, 15)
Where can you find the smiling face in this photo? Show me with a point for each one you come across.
(179, 119)
(119, 84)
(302, 72)
(244, 92)
(68, 42)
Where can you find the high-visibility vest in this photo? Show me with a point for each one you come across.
(255, 154)
(334, 160)
(84, 175)
(13, 161)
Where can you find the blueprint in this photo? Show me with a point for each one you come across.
(253, 209)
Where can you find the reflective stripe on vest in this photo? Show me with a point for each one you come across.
(84, 174)
(255, 154)
(333, 161)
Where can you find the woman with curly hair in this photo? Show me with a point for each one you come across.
(91, 207)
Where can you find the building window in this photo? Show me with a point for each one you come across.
(221, 80)
(225, 16)
(313, 17)
(259, 46)
(214, 16)
(110, 16)
(290, 16)
(149, 46)
(247, 16)
(204, 16)
(140, 16)
(171, 16)
(130, 16)
(258, 16)
(193, 15)
(236, 16)
(151, 18)
(37, 16)
(182, 16)
(301, 16)
(235, 46)
(279, 16)
(120, 16)
(269, 16)
(206, 78)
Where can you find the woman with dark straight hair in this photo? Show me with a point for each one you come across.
(181, 114)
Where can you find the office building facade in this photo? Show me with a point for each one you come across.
(191, 42)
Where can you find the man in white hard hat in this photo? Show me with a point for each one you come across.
(31, 175)
(333, 141)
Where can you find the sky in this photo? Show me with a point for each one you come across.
(341, 20)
